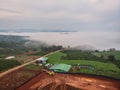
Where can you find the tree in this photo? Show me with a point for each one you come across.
(111, 58)
(102, 56)
(96, 50)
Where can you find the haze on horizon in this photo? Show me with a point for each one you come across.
(92, 40)
(70, 15)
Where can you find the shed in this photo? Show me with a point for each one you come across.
(60, 67)
(48, 65)
(42, 60)
(10, 57)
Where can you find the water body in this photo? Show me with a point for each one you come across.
(99, 40)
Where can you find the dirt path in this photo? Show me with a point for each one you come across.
(70, 82)
(18, 67)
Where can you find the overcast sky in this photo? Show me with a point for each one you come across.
(80, 15)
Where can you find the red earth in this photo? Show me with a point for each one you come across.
(70, 82)
(16, 78)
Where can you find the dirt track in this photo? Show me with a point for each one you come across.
(70, 82)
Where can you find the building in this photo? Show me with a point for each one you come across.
(60, 68)
(42, 60)
(10, 57)
(48, 65)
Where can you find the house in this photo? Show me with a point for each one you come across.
(10, 57)
(60, 68)
(42, 60)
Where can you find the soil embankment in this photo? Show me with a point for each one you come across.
(70, 82)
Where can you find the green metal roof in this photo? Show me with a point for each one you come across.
(60, 67)
(42, 59)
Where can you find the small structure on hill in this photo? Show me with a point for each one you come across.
(85, 67)
(60, 68)
(10, 57)
(42, 60)
(48, 65)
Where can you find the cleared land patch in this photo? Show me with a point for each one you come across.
(69, 82)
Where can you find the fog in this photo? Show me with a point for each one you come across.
(98, 40)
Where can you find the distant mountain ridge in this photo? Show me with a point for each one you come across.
(12, 38)
(33, 30)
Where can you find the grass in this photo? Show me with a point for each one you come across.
(33, 67)
(41, 53)
(101, 68)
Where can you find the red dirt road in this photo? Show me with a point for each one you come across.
(70, 82)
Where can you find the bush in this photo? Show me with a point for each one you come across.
(111, 58)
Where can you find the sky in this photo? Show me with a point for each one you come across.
(71, 15)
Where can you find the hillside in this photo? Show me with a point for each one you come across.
(100, 67)
(105, 54)
(14, 45)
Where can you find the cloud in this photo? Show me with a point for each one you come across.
(6, 13)
(67, 14)
(100, 40)
(7, 10)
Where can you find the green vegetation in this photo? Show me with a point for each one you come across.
(105, 54)
(100, 68)
(33, 67)
(46, 50)
(7, 52)
(113, 56)
(7, 64)
(12, 45)
(80, 55)
(41, 53)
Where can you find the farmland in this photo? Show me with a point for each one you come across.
(6, 64)
(100, 68)
(19, 77)
(23, 49)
